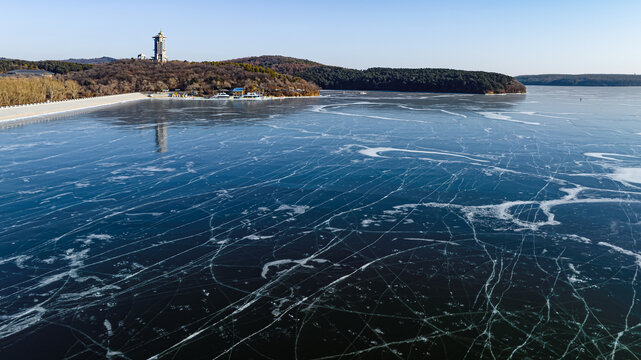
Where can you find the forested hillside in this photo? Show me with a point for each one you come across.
(206, 78)
(426, 80)
(281, 64)
(123, 76)
(394, 79)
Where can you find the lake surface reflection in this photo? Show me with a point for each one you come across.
(378, 225)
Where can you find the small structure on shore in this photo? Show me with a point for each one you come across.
(142, 56)
(238, 91)
(160, 48)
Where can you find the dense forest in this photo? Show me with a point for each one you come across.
(54, 66)
(204, 78)
(427, 80)
(29, 90)
(424, 80)
(581, 80)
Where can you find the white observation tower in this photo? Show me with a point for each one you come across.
(160, 48)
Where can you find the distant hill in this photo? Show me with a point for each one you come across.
(392, 79)
(93, 61)
(581, 80)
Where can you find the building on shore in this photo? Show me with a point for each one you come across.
(142, 56)
(238, 91)
(160, 48)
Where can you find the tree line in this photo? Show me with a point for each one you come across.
(54, 66)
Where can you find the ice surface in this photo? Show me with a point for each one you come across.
(379, 225)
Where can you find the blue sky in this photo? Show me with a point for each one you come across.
(513, 37)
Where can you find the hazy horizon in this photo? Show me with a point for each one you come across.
(576, 37)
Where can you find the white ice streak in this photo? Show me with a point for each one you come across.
(157, 169)
(623, 251)
(453, 113)
(428, 109)
(376, 152)
(433, 240)
(322, 109)
(92, 292)
(607, 156)
(112, 353)
(11, 324)
(503, 212)
(145, 214)
(502, 117)
(108, 327)
(367, 222)
(257, 237)
(90, 238)
(19, 260)
(578, 238)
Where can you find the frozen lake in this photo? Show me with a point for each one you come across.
(381, 225)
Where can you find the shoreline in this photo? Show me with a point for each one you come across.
(202, 98)
(10, 114)
(16, 113)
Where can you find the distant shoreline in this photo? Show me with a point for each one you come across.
(585, 80)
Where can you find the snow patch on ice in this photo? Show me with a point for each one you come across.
(257, 237)
(627, 175)
(297, 209)
(108, 327)
(302, 262)
(91, 237)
